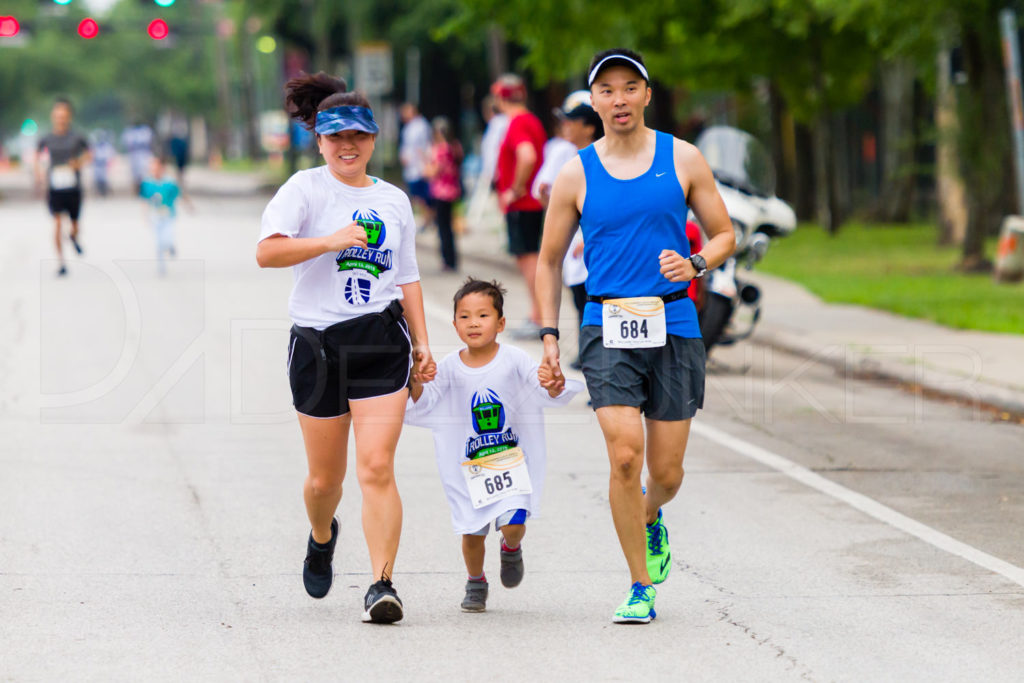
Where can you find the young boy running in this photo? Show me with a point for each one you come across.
(485, 410)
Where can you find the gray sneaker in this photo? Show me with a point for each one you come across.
(476, 596)
(512, 567)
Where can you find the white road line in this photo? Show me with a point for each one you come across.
(861, 502)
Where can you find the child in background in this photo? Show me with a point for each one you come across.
(162, 193)
(485, 410)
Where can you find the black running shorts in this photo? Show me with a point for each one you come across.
(666, 382)
(360, 358)
(65, 201)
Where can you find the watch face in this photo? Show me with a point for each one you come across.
(699, 263)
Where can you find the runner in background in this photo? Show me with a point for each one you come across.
(66, 152)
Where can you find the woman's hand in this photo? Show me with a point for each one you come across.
(352, 235)
(424, 369)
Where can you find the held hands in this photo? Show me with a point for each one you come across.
(424, 369)
(352, 235)
(549, 373)
(674, 267)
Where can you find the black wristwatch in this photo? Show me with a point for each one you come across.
(548, 330)
(699, 264)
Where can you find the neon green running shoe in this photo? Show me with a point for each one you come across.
(659, 554)
(638, 608)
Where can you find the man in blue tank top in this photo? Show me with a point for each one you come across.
(640, 343)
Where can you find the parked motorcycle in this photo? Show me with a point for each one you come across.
(746, 180)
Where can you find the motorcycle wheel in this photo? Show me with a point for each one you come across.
(713, 318)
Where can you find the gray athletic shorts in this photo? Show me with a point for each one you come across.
(666, 383)
(508, 517)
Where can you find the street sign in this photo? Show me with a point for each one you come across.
(374, 71)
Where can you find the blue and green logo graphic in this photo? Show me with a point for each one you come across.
(371, 259)
(488, 417)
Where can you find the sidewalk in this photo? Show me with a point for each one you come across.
(983, 369)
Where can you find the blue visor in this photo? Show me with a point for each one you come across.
(337, 119)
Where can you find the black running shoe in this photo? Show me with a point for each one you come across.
(383, 606)
(317, 572)
(75, 244)
(62, 271)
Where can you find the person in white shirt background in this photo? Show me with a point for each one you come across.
(579, 126)
(357, 309)
(414, 144)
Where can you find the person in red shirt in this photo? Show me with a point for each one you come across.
(519, 158)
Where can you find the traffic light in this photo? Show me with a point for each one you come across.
(88, 28)
(9, 27)
(157, 29)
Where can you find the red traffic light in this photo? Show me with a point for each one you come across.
(158, 29)
(9, 27)
(88, 28)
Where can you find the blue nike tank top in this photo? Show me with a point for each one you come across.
(626, 224)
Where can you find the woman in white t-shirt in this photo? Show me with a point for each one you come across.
(359, 329)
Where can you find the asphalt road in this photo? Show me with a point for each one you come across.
(151, 522)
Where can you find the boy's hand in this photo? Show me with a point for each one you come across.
(415, 389)
(547, 380)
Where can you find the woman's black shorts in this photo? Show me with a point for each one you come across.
(360, 358)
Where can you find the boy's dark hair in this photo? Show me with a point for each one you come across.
(616, 51)
(492, 289)
(62, 100)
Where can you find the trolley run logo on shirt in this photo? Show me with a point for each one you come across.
(488, 418)
(371, 259)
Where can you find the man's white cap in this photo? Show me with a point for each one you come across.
(617, 59)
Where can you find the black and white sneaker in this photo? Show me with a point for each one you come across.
(75, 244)
(317, 572)
(382, 604)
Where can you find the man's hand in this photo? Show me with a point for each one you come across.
(549, 373)
(675, 268)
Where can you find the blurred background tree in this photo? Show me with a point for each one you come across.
(873, 109)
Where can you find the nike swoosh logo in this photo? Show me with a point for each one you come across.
(658, 175)
(664, 563)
